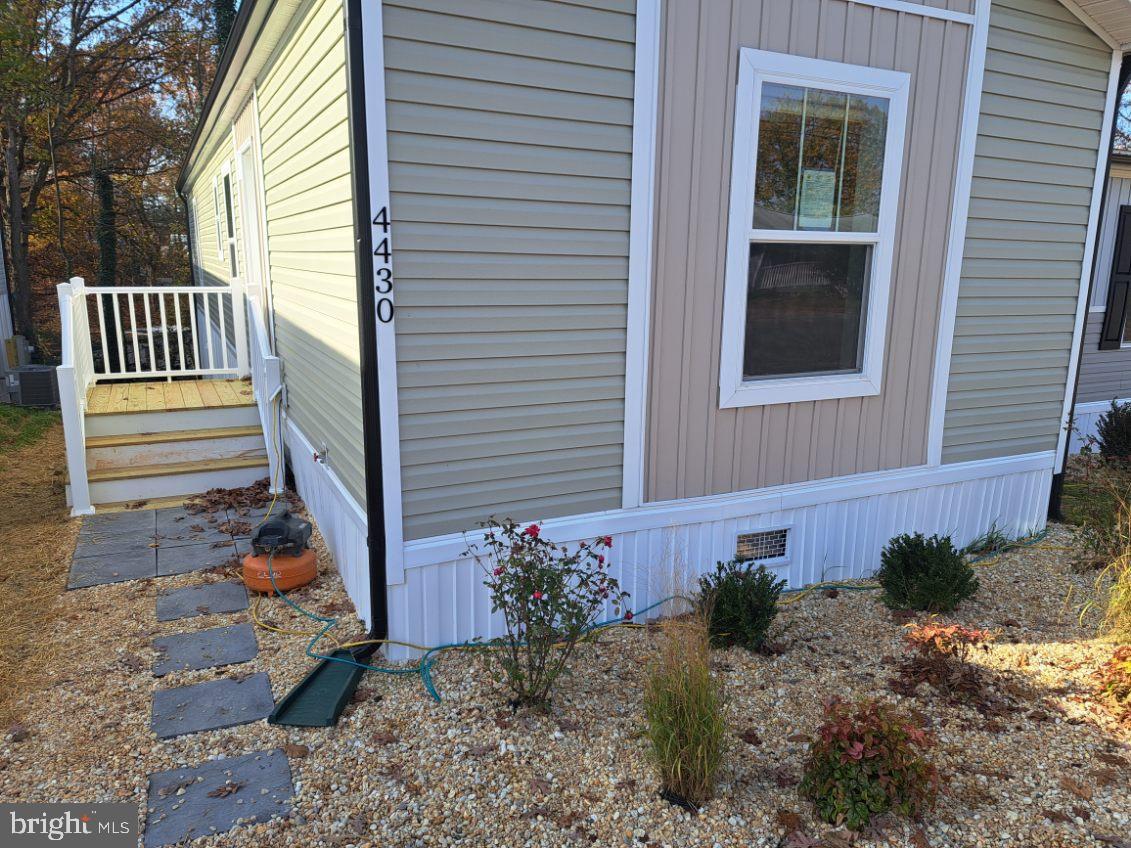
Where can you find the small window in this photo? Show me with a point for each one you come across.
(218, 217)
(230, 225)
(818, 148)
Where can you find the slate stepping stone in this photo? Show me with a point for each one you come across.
(209, 599)
(186, 558)
(139, 522)
(138, 564)
(177, 526)
(205, 649)
(100, 544)
(216, 795)
(226, 702)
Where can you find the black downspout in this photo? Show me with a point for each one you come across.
(367, 327)
(1055, 512)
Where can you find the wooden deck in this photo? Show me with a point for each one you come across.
(165, 396)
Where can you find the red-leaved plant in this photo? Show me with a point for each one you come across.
(938, 654)
(550, 597)
(867, 760)
(1114, 683)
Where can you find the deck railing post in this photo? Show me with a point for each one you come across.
(239, 328)
(74, 377)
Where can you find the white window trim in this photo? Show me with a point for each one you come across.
(756, 67)
(218, 214)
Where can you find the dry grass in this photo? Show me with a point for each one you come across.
(36, 538)
(1113, 585)
(683, 707)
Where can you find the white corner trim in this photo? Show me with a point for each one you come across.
(755, 68)
(917, 9)
(1102, 158)
(423, 552)
(373, 39)
(645, 112)
(959, 219)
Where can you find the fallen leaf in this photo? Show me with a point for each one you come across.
(1111, 759)
(1078, 789)
(750, 736)
(229, 788)
(1104, 776)
(481, 750)
(540, 784)
(1056, 816)
(798, 839)
(296, 751)
(18, 733)
(919, 838)
(1082, 813)
(784, 776)
(798, 737)
(383, 737)
(789, 821)
(838, 839)
(132, 662)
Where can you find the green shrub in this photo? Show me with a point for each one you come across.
(867, 760)
(683, 708)
(925, 574)
(740, 601)
(1113, 432)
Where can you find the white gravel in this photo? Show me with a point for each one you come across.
(401, 770)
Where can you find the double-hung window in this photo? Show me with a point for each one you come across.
(818, 150)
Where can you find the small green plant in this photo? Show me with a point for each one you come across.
(867, 760)
(740, 602)
(927, 574)
(992, 541)
(550, 597)
(1113, 433)
(683, 708)
(1114, 683)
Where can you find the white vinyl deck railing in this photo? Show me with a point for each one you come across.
(167, 331)
(76, 375)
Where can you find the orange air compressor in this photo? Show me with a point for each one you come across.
(280, 548)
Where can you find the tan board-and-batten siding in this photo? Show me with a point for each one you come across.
(1039, 132)
(695, 448)
(510, 133)
(305, 137)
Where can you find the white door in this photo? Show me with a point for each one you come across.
(254, 254)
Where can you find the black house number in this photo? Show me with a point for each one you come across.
(383, 266)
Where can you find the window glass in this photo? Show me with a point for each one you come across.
(228, 206)
(805, 309)
(820, 160)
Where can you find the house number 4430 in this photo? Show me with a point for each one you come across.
(383, 266)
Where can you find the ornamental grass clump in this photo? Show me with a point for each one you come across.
(683, 708)
(740, 602)
(926, 574)
(868, 760)
(549, 596)
(1114, 683)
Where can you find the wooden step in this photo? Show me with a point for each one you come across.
(124, 440)
(167, 469)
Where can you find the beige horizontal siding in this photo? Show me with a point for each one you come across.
(1038, 137)
(510, 143)
(303, 116)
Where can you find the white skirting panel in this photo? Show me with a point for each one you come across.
(837, 529)
(1085, 417)
(340, 518)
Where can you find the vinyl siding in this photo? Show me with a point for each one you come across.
(1034, 169)
(1105, 374)
(306, 173)
(211, 269)
(694, 448)
(510, 133)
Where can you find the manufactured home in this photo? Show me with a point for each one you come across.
(1105, 359)
(770, 278)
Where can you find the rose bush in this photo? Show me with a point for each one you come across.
(549, 595)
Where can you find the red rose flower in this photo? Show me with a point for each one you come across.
(498, 571)
(628, 615)
(600, 559)
(532, 531)
(537, 596)
(607, 541)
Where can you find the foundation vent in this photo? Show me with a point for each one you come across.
(763, 545)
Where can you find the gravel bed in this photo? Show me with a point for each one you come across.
(401, 770)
